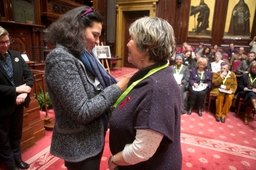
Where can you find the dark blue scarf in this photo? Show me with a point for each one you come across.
(95, 67)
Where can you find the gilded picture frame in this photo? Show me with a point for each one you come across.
(201, 17)
(239, 19)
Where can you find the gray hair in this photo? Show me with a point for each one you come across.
(218, 54)
(202, 60)
(225, 64)
(3, 32)
(154, 36)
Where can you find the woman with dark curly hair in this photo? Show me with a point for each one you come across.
(80, 89)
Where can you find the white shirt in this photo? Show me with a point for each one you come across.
(216, 66)
(143, 147)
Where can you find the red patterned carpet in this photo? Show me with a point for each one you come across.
(206, 144)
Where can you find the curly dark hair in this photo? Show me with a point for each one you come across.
(68, 30)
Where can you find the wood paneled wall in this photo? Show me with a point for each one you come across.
(178, 17)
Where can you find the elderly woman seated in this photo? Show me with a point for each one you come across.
(215, 65)
(224, 86)
(200, 82)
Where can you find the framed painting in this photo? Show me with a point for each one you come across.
(201, 17)
(102, 52)
(239, 19)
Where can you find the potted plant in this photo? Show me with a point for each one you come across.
(40, 98)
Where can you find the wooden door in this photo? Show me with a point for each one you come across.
(130, 17)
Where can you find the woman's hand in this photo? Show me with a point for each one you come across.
(111, 166)
(223, 74)
(195, 85)
(206, 85)
(245, 89)
(254, 90)
(123, 83)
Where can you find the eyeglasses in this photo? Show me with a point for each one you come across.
(2, 43)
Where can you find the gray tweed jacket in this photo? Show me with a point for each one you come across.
(79, 103)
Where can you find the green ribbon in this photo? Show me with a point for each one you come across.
(125, 93)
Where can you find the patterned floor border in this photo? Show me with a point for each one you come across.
(220, 146)
(44, 159)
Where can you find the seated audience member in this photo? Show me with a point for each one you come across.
(247, 87)
(239, 56)
(189, 47)
(200, 48)
(243, 68)
(207, 54)
(215, 65)
(215, 49)
(231, 51)
(188, 60)
(184, 47)
(253, 45)
(200, 82)
(224, 85)
(199, 55)
(181, 74)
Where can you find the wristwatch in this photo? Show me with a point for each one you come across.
(112, 159)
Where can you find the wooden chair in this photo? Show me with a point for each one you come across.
(210, 98)
(241, 103)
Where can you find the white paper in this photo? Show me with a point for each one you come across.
(200, 87)
(178, 78)
(102, 55)
(225, 91)
(25, 57)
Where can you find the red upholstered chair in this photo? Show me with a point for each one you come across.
(240, 103)
(210, 98)
(235, 64)
(224, 56)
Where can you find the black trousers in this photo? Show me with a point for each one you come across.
(10, 135)
(92, 163)
(197, 97)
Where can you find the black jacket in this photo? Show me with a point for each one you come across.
(22, 74)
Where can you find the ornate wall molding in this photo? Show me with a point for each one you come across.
(123, 6)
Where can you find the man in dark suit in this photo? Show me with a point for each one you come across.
(16, 81)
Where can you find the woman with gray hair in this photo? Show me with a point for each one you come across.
(145, 125)
(215, 65)
(200, 82)
(224, 87)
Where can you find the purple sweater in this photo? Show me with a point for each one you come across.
(153, 104)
